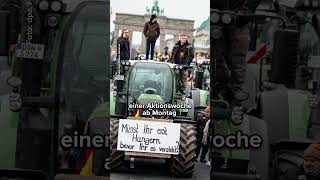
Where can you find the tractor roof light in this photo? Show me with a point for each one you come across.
(56, 6)
(43, 5)
(315, 4)
(52, 20)
(226, 18)
(306, 3)
(215, 17)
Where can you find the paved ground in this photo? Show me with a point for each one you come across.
(147, 169)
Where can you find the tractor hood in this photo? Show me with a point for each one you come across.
(150, 99)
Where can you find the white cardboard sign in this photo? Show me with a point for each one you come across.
(148, 136)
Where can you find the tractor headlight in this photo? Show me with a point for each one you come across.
(226, 18)
(127, 63)
(180, 67)
(306, 3)
(315, 4)
(52, 20)
(56, 6)
(123, 63)
(215, 17)
(43, 5)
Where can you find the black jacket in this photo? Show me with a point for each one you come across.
(244, 6)
(294, 174)
(186, 51)
(124, 48)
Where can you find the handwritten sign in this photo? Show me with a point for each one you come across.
(148, 136)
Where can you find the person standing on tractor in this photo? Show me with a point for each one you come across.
(152, 32)
(230, 52)
(311, 165)
(182, 54)
(124, 45)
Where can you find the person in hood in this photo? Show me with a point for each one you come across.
(123, 45)
(152, 32)
(182, 54)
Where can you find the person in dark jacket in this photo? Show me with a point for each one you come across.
(229, 50)
(124, 45)
(152, 32)
(182, 54)
(311, 166)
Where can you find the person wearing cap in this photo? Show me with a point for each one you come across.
(151, 31)
(311, 165)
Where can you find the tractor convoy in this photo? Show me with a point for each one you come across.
(60, 86)
(282, 86)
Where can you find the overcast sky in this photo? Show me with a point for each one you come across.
(198, 10)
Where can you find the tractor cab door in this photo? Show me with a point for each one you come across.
(82, 84)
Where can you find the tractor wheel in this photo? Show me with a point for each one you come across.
(285, 160)
(117, 157)
(183, 163)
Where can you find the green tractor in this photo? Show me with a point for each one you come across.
(237, 150)
(149, 82)
(282, 115)
(59, 87)
(291, 79)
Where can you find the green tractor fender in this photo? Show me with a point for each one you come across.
(293, 117)
(257, 158)
(200, 97)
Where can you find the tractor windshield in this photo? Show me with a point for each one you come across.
(151, 78)
(85, 61)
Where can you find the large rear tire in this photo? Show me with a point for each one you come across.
(285, 160)
(183, 163)
(117, 157)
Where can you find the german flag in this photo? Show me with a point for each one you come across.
(87, 168)
(137, 116)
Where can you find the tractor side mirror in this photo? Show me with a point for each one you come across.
(14, 82)
(4, 48)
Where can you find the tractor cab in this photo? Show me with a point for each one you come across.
(150, 81)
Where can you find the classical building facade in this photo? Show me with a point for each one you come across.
(135, 23)
(202, 41)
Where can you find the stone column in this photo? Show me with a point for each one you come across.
(190, 38)
(115, 37)
(176, 38)
(130, 43)
(143, 44)
(162, 43)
